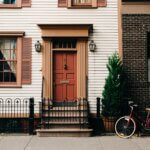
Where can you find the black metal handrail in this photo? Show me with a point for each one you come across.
(74, 113)
(42, 92)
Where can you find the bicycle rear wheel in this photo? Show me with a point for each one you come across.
(125, 127)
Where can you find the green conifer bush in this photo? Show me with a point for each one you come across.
(114, 89)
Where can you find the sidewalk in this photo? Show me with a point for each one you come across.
(91, 143)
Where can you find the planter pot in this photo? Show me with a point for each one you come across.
(109, 123)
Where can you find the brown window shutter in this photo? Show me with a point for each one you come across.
(102, 3)
(26, 60)
(26, 3)
(62, 3)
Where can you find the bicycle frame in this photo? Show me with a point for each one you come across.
(144, 123)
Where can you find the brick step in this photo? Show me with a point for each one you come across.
(73, 132)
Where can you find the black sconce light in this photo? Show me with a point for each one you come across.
(92, 46)
(38, 46)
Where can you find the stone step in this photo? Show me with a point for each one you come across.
(81, 108)
(60, 126)
(64, 114)
(65, 119)
(63, 122)
(73, 132)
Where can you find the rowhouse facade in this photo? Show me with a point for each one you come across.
(65, 69)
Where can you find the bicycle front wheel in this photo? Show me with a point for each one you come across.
(125, 127)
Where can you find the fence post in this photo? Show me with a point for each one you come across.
(98, 107)
(31, 116)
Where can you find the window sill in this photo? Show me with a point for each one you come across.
(82, 7)
(10, 86)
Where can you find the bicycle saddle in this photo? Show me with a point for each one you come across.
(131, 103)
(148, 109)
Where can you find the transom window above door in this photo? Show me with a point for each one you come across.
(64, 43)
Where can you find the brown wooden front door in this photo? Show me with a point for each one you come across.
(64, 76)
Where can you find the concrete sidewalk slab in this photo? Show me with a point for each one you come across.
(14, 142)
(116, 143)
(88, 143)
(143, 143)
(45, 143)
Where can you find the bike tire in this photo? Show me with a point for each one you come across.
(123, 129)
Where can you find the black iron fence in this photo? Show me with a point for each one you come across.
(17, 115)
(64, 114)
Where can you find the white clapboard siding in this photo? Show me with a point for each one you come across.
(105, 23)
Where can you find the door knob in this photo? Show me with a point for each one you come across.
(65, 66)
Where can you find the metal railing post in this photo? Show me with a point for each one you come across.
(31, 116)
(98, 107)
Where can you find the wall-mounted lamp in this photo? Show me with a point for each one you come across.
(92, 46)
(38, 46)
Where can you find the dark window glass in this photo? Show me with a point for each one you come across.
(64, 43)
(7, 1)
(8, 60)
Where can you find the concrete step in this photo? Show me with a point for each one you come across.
(64, 132)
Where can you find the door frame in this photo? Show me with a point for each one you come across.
(82, 67)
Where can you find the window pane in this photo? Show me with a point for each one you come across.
(8, 60)
(82, 2)
(64, 43)
(1, 76)
(7, 1)
(6, 77)
(7, 44)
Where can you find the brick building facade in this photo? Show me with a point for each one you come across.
(136, 28)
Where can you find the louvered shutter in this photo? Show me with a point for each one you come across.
(26, 3)
(62, 3)
(26, 60)
(102, 3)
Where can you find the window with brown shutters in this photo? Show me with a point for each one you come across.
(15, 3)
(15, 59)
(82, 3)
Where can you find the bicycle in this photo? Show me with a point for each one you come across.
(126, 126)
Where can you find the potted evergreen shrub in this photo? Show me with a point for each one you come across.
(113, 93)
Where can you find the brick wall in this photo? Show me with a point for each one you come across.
(135, 31)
